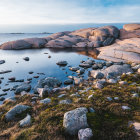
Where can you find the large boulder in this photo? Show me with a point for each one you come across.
(75, 120)
(131, 27)
(85, 33)
(15, 111)
(104, 36)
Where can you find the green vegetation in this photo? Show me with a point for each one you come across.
(108, 122)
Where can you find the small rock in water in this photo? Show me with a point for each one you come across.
(20, 80)
(3, 94)
(68, 82)
(26, 58)
(5, 71)
(31, 72)
(12, 78)
(74, 68)
(26, 121)
(62, 63)
(2, 98)
(2, 61)
(7, 89)
(36, 76)
(85, 134)
(49, 56)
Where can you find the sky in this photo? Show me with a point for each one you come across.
(69, 11)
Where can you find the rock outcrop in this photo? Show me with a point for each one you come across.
(127, 50)
(90, 37)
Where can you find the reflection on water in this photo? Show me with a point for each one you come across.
(40, 63)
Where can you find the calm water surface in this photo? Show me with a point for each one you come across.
(39, 63)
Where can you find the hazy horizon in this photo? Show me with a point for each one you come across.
(50, 28)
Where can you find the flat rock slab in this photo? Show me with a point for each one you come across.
(127, 50)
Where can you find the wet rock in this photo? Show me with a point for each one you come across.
(80, 71)
(23, 87)
(2, 61)
(44, 92)
(75, 120)
(49, 56)
(62, 63)
(45, 101)
(97, 75)
(85, 65)
(36, 76)
(31, 72)
(95, 67)
(68, 82)
(5, 71)
(26, 58)
(85, 134)
(2, 98)
(6, 89)
(50, 82)
(26, 121)
(17, 110)
(74, 68)
(20, 80)
(68, 101)
(12, 78)
(3, 94)
(77, 80)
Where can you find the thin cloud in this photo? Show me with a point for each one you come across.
(61, 11)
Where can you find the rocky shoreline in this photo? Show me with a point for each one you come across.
(104, 106)
(123, 44)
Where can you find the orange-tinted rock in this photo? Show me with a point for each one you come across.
(131, 27)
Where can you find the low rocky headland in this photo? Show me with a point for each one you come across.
(105, 106)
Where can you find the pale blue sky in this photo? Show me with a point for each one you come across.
(68, 11)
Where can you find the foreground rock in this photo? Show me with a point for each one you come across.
(17, 110)
(85, 134)
(75, 120)
(112, 71)
(26, 121)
